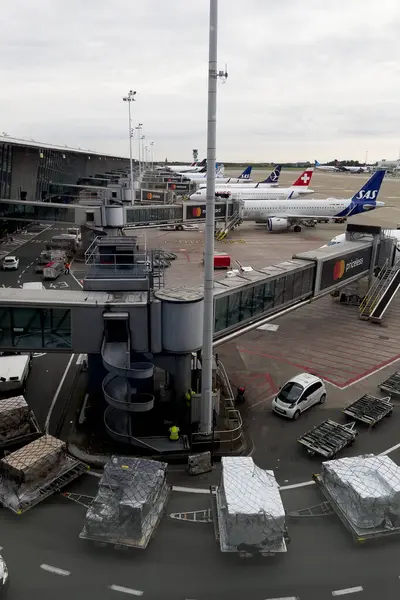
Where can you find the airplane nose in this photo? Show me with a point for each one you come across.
(379, 204)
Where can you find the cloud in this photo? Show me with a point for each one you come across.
(305, 80)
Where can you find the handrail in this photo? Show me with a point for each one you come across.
(370, 296)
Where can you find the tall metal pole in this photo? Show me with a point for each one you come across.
(130, 98)
(143, 157)
(139, 127)
(206, 416)
(130, 152)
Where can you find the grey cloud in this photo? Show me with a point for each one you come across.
(312, 79)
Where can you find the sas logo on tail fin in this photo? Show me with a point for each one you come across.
(369, 191)
(246, 173)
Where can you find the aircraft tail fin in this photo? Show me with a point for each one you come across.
(274, 176)
(370, 190)
(246, 173)
(305, 178)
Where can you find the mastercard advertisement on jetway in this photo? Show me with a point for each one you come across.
(199, 212)
(340, 269)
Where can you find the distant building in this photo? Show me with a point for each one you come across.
(31, 170)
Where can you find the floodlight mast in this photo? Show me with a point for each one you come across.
(206, 416)
(130, 98)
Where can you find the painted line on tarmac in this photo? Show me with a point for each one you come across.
(125, 590)
(55, 570)
(352, 590)
(285, 598)
(188, 490)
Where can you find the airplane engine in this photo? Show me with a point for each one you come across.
(276, 224)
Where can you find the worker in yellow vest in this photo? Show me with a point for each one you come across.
(188, 398)
(174, 433)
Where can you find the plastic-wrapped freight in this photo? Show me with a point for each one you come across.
(250, 504)
(367, 489)
(33, 461)
(128, 502)
(14, 413)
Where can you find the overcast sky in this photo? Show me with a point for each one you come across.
(306, 79)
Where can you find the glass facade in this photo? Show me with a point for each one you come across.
(261, 299)
(31, 212)
(154, 213)
(35, 328)
(6, 155)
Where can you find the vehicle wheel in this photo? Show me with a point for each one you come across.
(297, 228)
(179, 227)
(322, 399)
(296, 415)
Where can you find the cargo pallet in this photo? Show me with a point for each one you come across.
(328, 438)
(25, 438)
(369, 409)
(391, 385)
(220, 533)
(359, 535)
(71, 470)
(121, 543)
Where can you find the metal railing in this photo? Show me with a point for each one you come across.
(373, 294)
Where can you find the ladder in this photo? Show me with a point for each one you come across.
(235, 221)
(378, 289)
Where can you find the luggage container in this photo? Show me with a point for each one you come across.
(53, 269)
(14, 371)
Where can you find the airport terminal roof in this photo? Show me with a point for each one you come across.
(7, 139)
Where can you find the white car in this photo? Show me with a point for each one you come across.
(10, 263)
(298, 394)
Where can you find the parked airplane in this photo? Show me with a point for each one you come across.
(338, 168)
(280, 215)
(237, 183)
(246, 192)
(200, 178)
(193, 168)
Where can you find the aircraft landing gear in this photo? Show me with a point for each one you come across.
(297, 228)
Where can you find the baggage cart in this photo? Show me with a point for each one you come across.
(369, 409)
(391, 385)
(328, 438)
(359, 535)
(120, 542)
(277, 547)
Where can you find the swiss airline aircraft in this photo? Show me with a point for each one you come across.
(280, 215)
(246, 192)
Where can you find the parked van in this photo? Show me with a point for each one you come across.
(75, 231)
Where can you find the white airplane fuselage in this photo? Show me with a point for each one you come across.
(248, 193)
(304, 209)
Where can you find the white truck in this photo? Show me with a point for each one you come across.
(14, 371)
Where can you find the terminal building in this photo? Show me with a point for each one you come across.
(35, 171)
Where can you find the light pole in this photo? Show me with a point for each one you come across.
(152, 155)
(206, 414)
(130, 98)
(142, 150)
(139, 126)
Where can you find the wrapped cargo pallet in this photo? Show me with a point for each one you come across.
(366, 488)
(250, 506)
(14, 414)
(128, 502)
(34, 461)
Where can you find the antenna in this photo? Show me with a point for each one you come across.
(223, 75)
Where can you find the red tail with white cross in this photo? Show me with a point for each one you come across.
(305, 179)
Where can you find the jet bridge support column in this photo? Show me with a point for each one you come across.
(375, 245)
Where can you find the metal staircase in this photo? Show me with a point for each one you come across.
(381, 293)
(235, 221)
